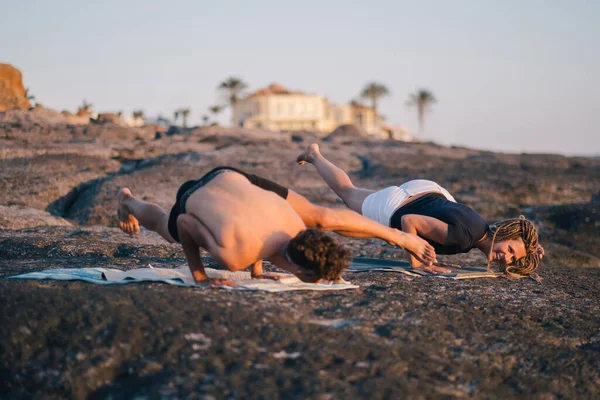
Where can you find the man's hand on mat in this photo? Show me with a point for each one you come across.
(266, 276)
(215, 282)
(257, 272)
(202, 280)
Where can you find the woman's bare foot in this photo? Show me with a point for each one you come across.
(309, 154)
(127, 222)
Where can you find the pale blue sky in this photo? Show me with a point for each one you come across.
(509, 75)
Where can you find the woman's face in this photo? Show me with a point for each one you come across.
(508, 251)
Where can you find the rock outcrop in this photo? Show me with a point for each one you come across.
(344, 133)
(20, 217)
(12, 92)
(40, 116)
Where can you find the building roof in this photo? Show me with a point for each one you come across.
(273, 88)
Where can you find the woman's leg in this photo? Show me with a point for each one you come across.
(335, 178)
(133, 212)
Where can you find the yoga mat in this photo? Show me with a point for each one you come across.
(180, 276)
(375, 264)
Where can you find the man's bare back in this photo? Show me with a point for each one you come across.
(240, 224)
(247, 223)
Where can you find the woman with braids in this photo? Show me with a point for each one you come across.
(425, 208)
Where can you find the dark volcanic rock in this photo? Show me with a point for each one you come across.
(576, 226)
(395, 337)
(66, 242)
(344, 133)
(305, 137)
(38, 181)
(19, 217)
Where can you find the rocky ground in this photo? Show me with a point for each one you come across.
(395, 337)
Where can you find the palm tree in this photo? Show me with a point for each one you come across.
(85, 106)
(138, 114)
(374, 91)
(423, 99)
(84, 110)
(215, 109)
(175, 116)
(184, 112)
(162, 120)
(233, 88)
(205, 119)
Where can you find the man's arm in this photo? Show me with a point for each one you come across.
(352, 224)
(427, 227)
(192, 235)
(343, 222)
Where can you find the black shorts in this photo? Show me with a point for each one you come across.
(188, 188)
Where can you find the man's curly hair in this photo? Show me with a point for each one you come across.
(519, 228)
(314, 250)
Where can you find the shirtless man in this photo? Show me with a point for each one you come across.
(241, 219)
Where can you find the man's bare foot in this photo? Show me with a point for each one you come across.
(309, 154)
(127, 222)
(419, 248)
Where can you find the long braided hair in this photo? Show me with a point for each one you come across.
(514, 229)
